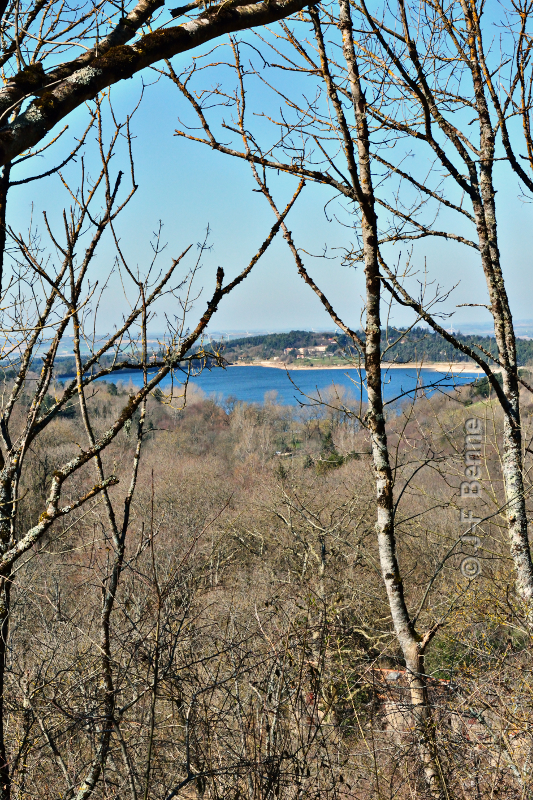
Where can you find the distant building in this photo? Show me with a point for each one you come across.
(312, 350)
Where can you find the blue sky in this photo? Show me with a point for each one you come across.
(188, 186)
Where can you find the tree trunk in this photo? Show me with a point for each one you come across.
(4, 186)
(485, 215)
(408, 639)
(5, 777)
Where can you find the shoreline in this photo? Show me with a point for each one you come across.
(456, 368)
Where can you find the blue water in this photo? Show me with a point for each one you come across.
(250, 384)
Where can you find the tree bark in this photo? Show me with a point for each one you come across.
(4, 186)
(505, 336)
(122, 61)
(409, 641)
(5, 777)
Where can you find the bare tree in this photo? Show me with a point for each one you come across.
(50, 290)
(413, 644)
(159, 694)
(460, 38)
(407, 104)
(102, 45)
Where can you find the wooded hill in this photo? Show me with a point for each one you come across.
(418, 344)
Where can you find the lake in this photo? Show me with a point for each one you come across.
(250, 384)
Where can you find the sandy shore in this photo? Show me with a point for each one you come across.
(456, 368)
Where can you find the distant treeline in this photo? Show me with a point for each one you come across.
(278, 342)
(416, 345)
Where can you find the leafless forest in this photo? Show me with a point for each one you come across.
(207, 599)
(251, 651)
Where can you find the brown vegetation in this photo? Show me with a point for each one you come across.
(253, 653)
(209, 600)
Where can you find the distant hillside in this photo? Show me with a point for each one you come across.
(416, 345)
(274, 344)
